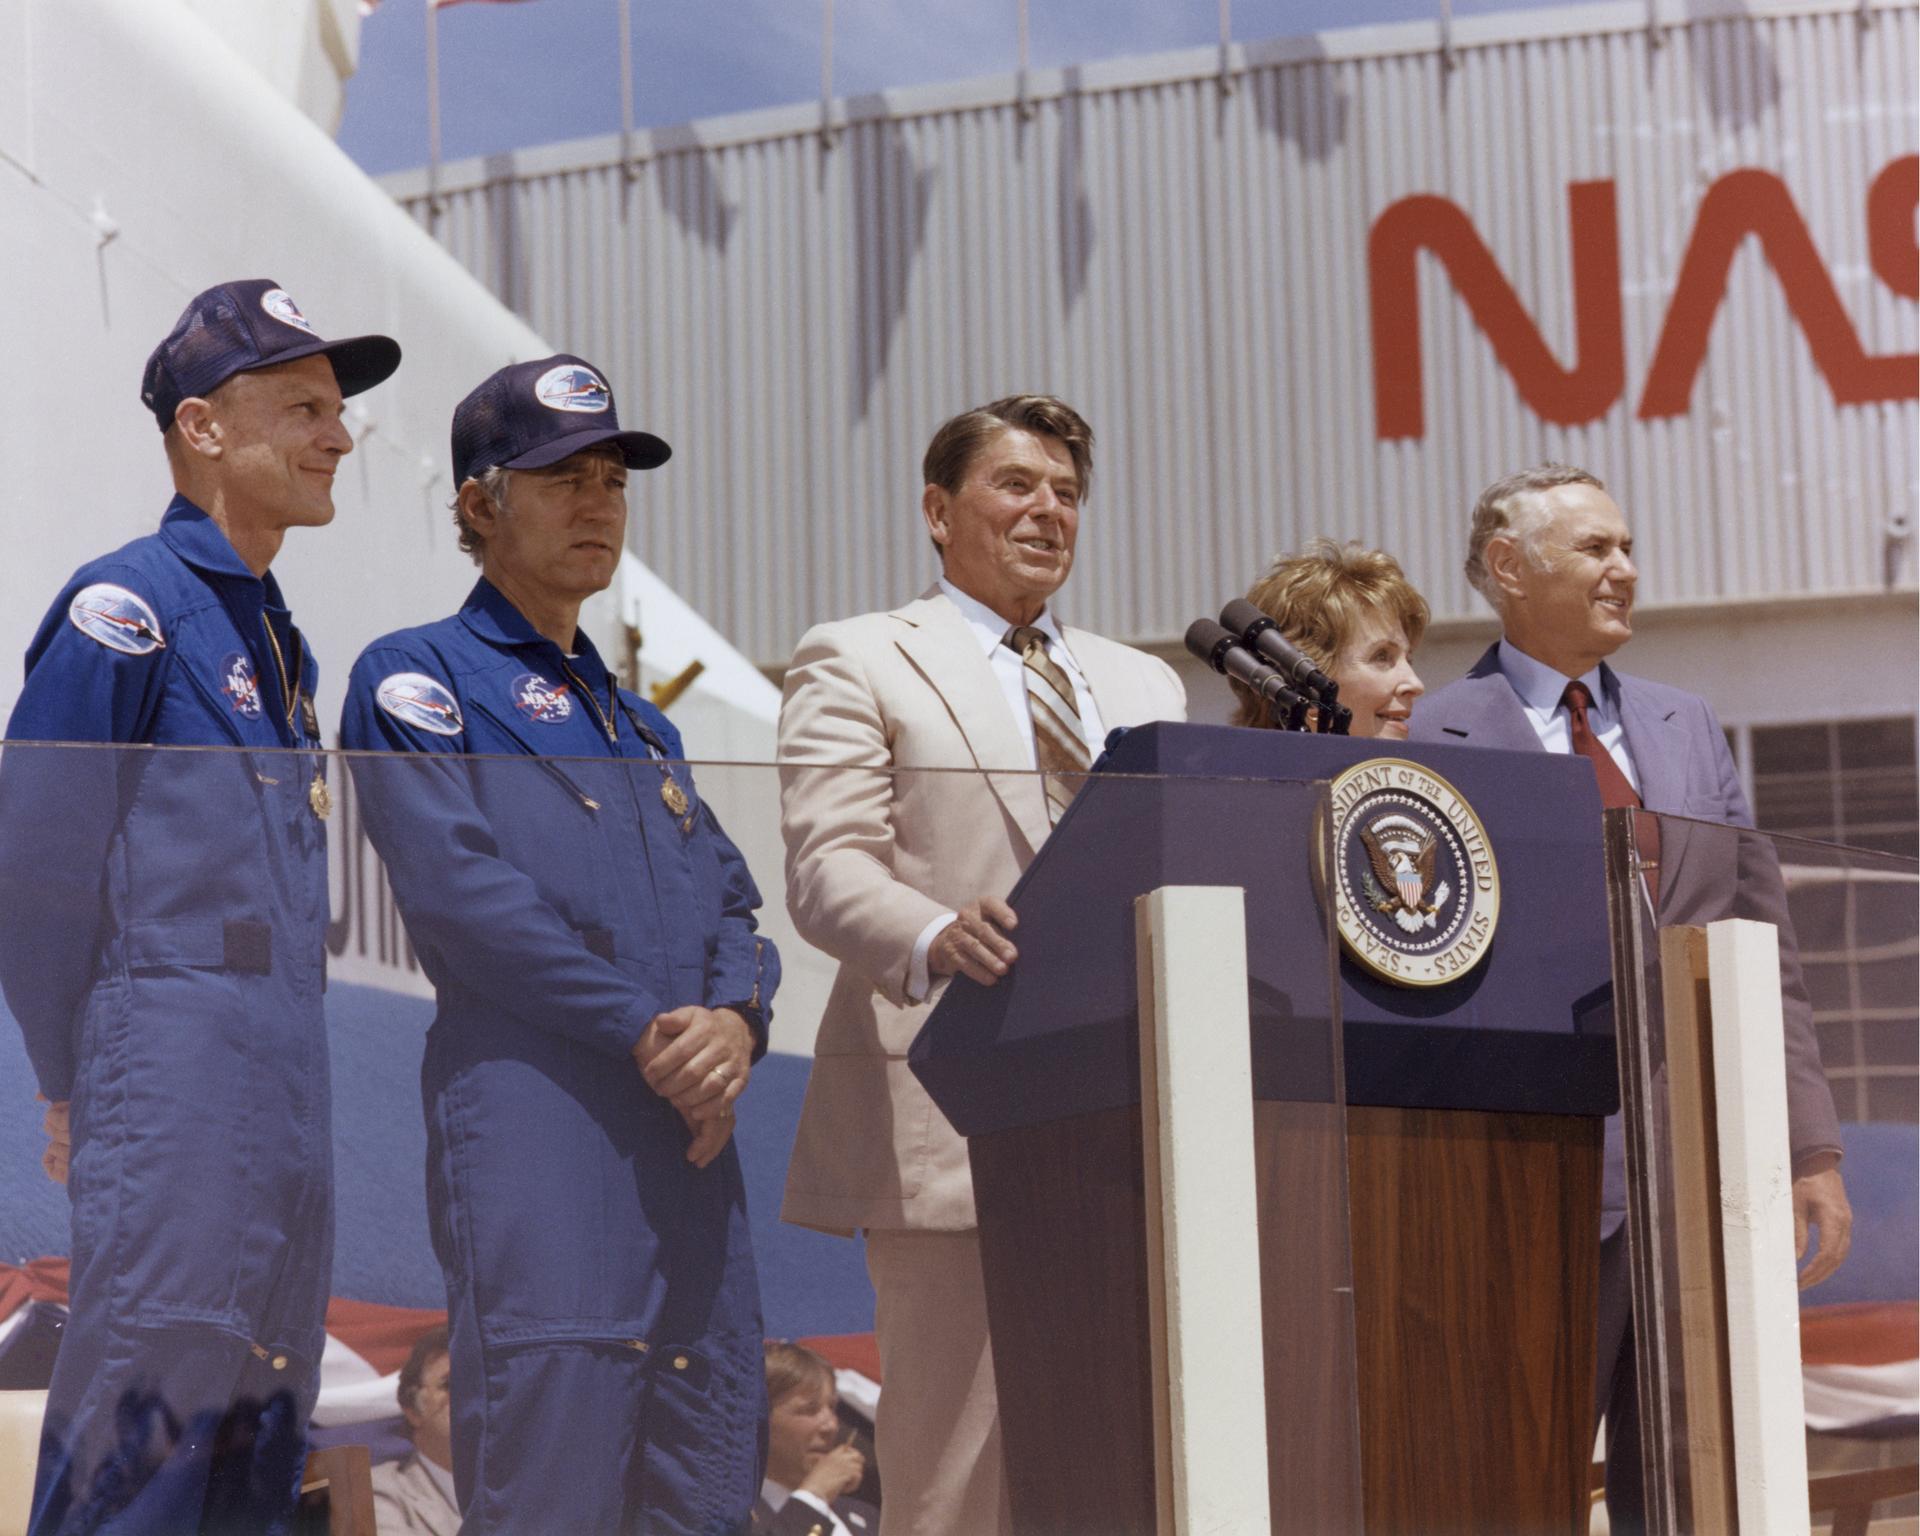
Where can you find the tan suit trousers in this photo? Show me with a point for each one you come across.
(938, 1434)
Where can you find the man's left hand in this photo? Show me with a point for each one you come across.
(1820, 1199)
(702, 1060)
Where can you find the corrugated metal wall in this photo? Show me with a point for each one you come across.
(1189, 266)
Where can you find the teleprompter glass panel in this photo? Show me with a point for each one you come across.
(1836, 1117)
(356, 1035)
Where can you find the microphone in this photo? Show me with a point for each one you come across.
(1260, 633)
(1221, 649)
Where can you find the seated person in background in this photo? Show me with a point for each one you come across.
(414, 1497)
(1354, 614)
(809, 1471)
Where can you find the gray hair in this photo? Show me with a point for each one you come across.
(493, 482)
(1515, 507)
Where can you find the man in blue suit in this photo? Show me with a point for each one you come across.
(1553, 554)
(589, 931)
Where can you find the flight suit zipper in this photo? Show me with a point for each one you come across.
(546, 763)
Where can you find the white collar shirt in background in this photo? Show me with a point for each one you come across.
(1540, 688)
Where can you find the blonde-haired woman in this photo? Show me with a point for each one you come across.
(1354, 614)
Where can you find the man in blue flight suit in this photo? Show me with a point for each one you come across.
(162, 946)
(589, 931)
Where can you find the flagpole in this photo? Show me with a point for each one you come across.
(826, 73)
(627, 167)
(433, 110)
(1026, 106)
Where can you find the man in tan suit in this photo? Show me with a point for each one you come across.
(900, 874)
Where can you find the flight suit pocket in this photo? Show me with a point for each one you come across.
(242, 945)
(267, 1363)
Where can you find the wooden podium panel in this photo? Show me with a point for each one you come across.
(1476, 1253)
(1474, 1241)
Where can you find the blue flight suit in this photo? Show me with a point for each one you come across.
(162, 946)
(563, 883)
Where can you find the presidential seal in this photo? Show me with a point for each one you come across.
(1416, 890)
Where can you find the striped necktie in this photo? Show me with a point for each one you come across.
(1058, 745)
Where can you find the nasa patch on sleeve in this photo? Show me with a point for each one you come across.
(118, 619)
(415, 699)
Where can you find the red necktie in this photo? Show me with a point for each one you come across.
(1616, 790)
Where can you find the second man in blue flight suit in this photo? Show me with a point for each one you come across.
(602, 993)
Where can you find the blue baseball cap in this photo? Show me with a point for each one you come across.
(531, 415)
(238, 327)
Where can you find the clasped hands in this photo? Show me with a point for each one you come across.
(697, 1059)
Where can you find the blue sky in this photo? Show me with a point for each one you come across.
(545, 70)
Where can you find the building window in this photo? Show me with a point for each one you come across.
(1857, 921)
(1842, 781)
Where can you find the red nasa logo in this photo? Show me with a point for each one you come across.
(540, 700)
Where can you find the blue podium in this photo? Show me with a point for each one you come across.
(1427, 1159)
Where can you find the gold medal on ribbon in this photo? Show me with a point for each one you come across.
(674, 796)
(320, 797)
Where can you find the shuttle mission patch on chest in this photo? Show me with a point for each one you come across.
(1416, 890)
(415, 699)
(120, 620)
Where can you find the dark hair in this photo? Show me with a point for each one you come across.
(1319, 596)
(429, 1347)
(959, 442)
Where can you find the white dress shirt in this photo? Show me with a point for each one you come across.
(776, 1496)
(1010, 671)
(1540, 688)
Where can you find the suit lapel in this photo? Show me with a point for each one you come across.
(1106, 678)
(1659, 747)
(1485, 711)
(943, 650)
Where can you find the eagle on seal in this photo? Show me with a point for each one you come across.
(1402, 854)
